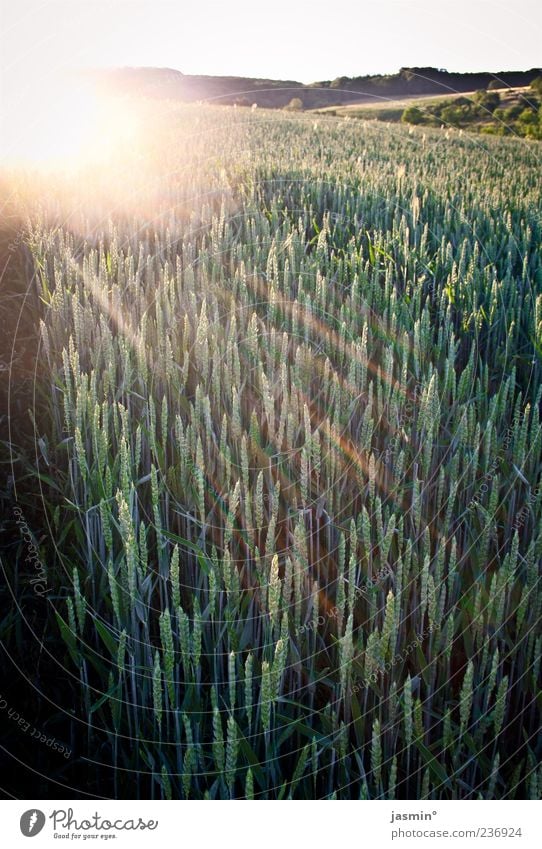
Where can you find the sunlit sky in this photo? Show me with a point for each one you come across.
(282, 39)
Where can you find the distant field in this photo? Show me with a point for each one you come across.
(376, 104)
(508, 95)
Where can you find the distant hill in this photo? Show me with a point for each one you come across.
(170, 84)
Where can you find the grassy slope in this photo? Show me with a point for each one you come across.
(393, 109)
(372, 109)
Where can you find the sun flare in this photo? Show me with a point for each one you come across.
(72, 124)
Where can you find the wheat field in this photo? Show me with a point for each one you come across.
(284, 473)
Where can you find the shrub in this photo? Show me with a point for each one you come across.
(295, 104)
(412, 115)
(486, 101)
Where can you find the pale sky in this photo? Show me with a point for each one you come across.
(281, 39)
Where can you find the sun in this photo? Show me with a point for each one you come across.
(71, 124)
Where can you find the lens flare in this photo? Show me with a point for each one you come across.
(65, 124)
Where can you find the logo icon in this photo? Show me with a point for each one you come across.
(32, 822)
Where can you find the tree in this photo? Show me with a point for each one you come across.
(339, 82)
(494, 84)
(536, 85)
